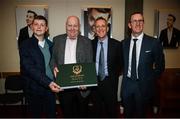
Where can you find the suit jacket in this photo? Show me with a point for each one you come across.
(175, 40)
(23, 35)
(151, 65)
(83, 51)
(33, 66)
(114, 61)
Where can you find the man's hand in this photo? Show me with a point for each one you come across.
(55, 71)
(54, 87)
(82, 87)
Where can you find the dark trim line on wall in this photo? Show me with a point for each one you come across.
(5, 74)
(130, 7)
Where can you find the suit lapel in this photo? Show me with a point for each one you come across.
(36, 51)
(35, 45)
(109, 52)
(166, 37)
(94, 48)
(126, 47)
(143, 49)
(26, 32)
(78, 49)
(62, 46)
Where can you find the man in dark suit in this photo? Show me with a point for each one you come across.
(143, 64)
(35, 54)
(26, 32)
(170, 36)
(108, 70)
(72, 48)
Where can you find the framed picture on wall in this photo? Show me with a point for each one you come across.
(89, 15)
(168, 29)
(24, 17)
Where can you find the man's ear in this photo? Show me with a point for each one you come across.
(129, 25)
(47, 29)
(107, 28)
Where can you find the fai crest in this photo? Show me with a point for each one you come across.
(77, 69)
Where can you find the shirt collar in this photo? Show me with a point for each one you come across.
(41, 43)
(71, 39)
(104, 41)
(140, 37)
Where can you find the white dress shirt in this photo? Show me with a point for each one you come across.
(30, 32)
(138, 50)
(70, 51)
(169, 34)
(41, 43)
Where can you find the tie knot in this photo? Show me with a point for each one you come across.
(101, 43)
(135, 40)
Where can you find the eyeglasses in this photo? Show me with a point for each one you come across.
(137, 21)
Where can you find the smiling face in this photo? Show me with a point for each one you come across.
(30, 17)
(39, 27)
(101, 28)
(72, 27)
(136, 24)
(170, 21)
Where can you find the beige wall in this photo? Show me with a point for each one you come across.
(58, 12)
(172, 56)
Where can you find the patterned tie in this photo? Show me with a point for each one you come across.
(101, 71)
(133, 62)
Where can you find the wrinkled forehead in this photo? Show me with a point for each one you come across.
(137, 17)
(100, 22)
(72, 21)
(39, 21)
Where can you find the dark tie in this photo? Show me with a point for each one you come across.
(133, 62)
(101, 71)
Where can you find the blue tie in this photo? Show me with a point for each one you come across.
(133, 62)
(101, 71)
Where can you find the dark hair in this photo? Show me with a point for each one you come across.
(30, 11)
(101, 18)
(174, 18)
(40, 17)
(134, 14)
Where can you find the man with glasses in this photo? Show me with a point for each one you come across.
(143, 64)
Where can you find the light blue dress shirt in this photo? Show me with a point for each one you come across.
(105, 46)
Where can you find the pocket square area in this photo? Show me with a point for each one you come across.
(147, 51)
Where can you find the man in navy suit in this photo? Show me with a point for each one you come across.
(26, 32)
(143, 64)
(105, 94)
(170, 36)
(35, 54)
